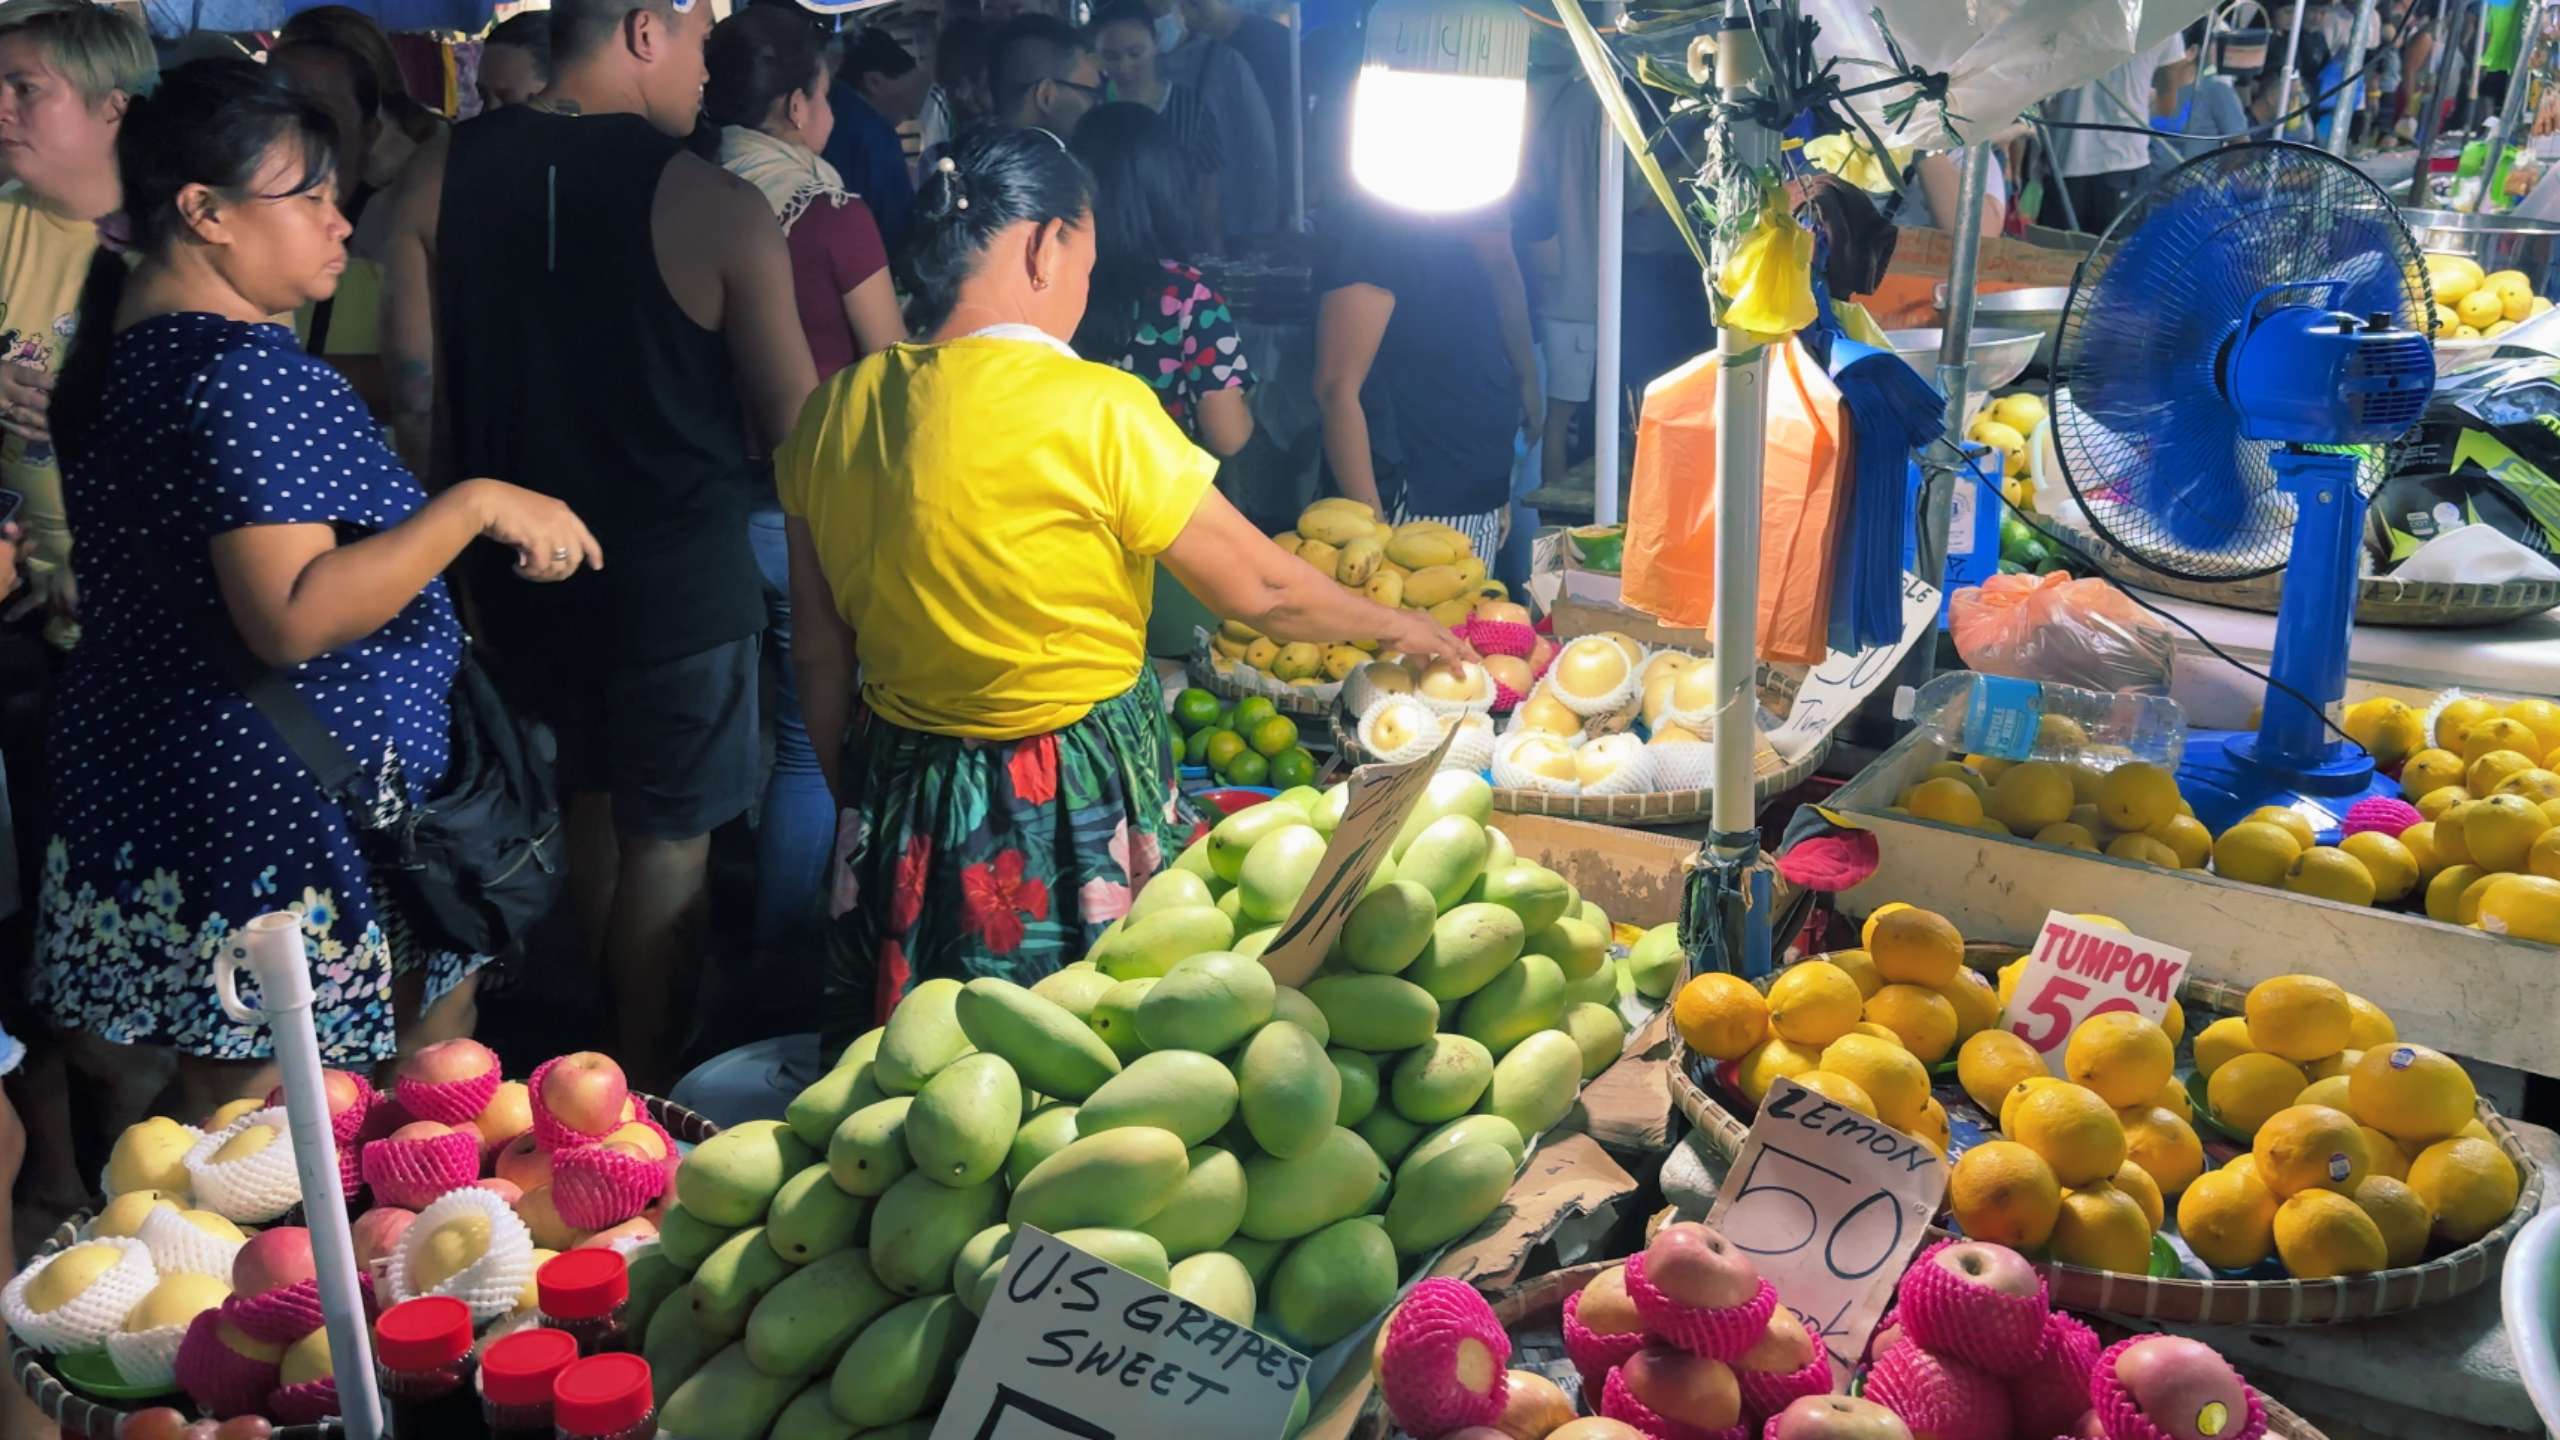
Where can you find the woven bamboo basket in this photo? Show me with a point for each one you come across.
(1309, 702)
(2380, 599)
(83, 1418)
(1657, 808)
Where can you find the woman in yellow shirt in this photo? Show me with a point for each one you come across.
(982, 512)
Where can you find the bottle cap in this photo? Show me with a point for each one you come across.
(582, 1284)
(601, 1395)
(427, 1333)
(520, 1369)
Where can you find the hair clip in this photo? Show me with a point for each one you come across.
(1052, 137)
(946, 166)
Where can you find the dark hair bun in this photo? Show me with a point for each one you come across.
(990, 179)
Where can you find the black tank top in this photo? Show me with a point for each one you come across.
(570, 369)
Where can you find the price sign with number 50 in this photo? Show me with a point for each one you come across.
(2078, 970)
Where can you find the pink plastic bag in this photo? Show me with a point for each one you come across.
(2055, 628)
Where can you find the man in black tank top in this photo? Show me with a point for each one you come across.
(580, 306)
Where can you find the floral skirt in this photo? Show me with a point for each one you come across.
(962, 858)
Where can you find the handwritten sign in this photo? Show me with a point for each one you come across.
(1381, 796)
(2078, 970)
(1830, 1205)
(1072, 1346)
(1842, 682)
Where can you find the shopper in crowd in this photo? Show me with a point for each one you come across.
(615, 325)
(2195, 114)
(344, 328)
(768, 93)
(233, 492)
(515, 61)
(1559, 220)
(19, 1416)
(1264, 44)
(2101, 168)
(1933, 190)
(1124, 44)
(406, 125)
(1151, 313)
(878, 88)
(983, 511)
(959, 96)
(1249, 174)
(1424, 372)
(1043, 75)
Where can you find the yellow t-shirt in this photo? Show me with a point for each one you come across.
(44, 261)
(988, 511)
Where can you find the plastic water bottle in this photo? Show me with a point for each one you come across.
(2029, 720)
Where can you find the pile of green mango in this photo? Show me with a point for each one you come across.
(1280, 1157)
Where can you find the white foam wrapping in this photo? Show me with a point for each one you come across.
(252, 1191)
(1683, 765)
(1627, 689)
(1478, 703)
(1473, 749)
(1425, 726)
(178, 1248)
(1511, 775)
(490, 1285)
(1634, 775)
(85, 1320)
(1360, 694)
(148, 1357)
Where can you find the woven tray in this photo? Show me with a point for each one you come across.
(1313, 702)
(78, 1415)
(1659, 807)
(2380, 599)
(2183, 1300)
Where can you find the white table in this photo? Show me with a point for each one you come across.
(2521, 657)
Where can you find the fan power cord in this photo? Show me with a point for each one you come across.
(2053, 536)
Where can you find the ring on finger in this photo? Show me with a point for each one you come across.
(560, 552)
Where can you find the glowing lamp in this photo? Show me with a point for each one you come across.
(1441, 104)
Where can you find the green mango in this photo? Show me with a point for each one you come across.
(1521, 1001)
(727, 1399)
(1468, 947)
(1119, 1178)
(919, 1225)
(1115, 1017)
(1447, 1193)
(1207, 1003)
(901, 1364)
(1194, 860)
(1054, 1052)
(810, 1417)
(1387, 928)
(1285, 1199)
(1135, 1251)
(1440, 1079)
(1655, 962)
(1256, 1256)
(1043, 1135)
(962, 1123)
(1357, 1074)
(653, 1278)
(1277, 870)
(1600, 987)
(868, 1152)
(813, 1216)
(1529, 890)
(686, 1240)
(1233, 839)
(1467, 1130)
(1216, 1283)
(805, 1323)
(975, 1269)
(730, 1179)
(1327, 813)
(732, 1280)
(1292, 1005)
(1290, 1092)
(1231, 905)
(1165, 939)
(1076, 990)
(1170, 890)
(1389, 1134)
(1446, 858)
(1377, 1013)
(1205, 1208)
(1183, 1091)
(923, 1036)
(1253, 943)
(1578, 950)
(1599, 1032)
(1450, 792)
(814, 1114)
(676, 1346)
(1333, 1282)
(1595, 917)
(1303, 798)
(1534, 1086)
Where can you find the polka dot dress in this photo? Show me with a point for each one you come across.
(179, 812)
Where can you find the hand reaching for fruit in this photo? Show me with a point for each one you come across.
(1417, 634)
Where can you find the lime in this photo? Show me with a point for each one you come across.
(1252, 710)
(1195, 709)
(1195, 751)
(1224, 745)
(1273, 736)
(1293, 767)
(1226, 718)
(1245, 768)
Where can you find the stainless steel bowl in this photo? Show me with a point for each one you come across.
(2497, 242)
(1998, 357)
(2038, 309)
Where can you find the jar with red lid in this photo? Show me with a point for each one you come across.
(422, 1356)
(604, 1397)
(587, 1294)
(516, 1376)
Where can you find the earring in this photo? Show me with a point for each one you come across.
(1039, 282)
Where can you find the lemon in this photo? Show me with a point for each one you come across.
(1989, 767)
(1957, 770)
(2218, 1042)
(2299, 1017)
(2247, 1165)
(2466, 910)
(1838, 1089)
(1861, 968)
(2420, 841)
(1951, 801)
(2444, 893)
(1891, 1076)
(2329, 1090)
(2003, 1193)
(1924, 1020)
(2075, 1131)
(2446, 323)
(2451, 839)
(1912, 946)
(2388, 865)
(2430, 770)
(1770, 1061)
(2544, 858)
(2484, 775)
(2255, 853)
(2228, 1219)
(2537, 784)
(2481, 307)
(1933, 1127)
(2031, 796)
(2368, 1024)
(2470, 1185)
(2173, 1097)
(2164, 1145)
(2026, 1086)
(2068, 836)
(2009, 974)
(2415, 1095)
(2498, 833)
(2384, 1153)
(2086, 816)
(2102, 1228)
(2144, 849)
(2402, 1218)
(2542, 717)
(1720, 1016)
(1976, 1004)
(2135, 1181)
(2174, 1021)
(2495, 734)
(2292, 822)
(1991, 1063)
(2310, 1147)
(2086, 781)
(2458, 716)
(2388, 729)
(2442, 803)
(2331, 874)
(2186, 836)
(2244, 1092)
(1813, 1004)
(2320, 1233)
(2521, 907)
(1881, 1032)
(2330, 1067)
(1989, 826)
(2137, 795)
(2124, 1058)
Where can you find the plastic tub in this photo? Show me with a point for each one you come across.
(2529, 1293)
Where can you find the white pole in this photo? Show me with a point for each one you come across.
(1741, 406)
(1605, 381)
(2292, 51)
(1298, 124)
(2343, 111)
(1955, 367)
(271, 949)
(2479, 58)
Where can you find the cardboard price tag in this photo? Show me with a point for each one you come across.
(1381, 796)
(2078, 970)
(1830, 1205)
(1072, 1346)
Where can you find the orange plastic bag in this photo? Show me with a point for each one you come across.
(2065, 631)
(1670, 566)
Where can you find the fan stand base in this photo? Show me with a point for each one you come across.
(2224, 777)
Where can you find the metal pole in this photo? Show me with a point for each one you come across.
(2432, 107)
(1298, 125)
(2511, 114)
(2053, 167)
(2469, 113)
(1606, 424)
(2292, 53)
(1741, 409)
(2342, 115)
(1955, 375)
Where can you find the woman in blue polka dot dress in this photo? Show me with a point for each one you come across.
(215, 467)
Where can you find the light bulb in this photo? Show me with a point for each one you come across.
(1436, 142)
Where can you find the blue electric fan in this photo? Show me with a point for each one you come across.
(2238, 357)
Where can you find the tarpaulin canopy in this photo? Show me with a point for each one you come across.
(176, 19)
